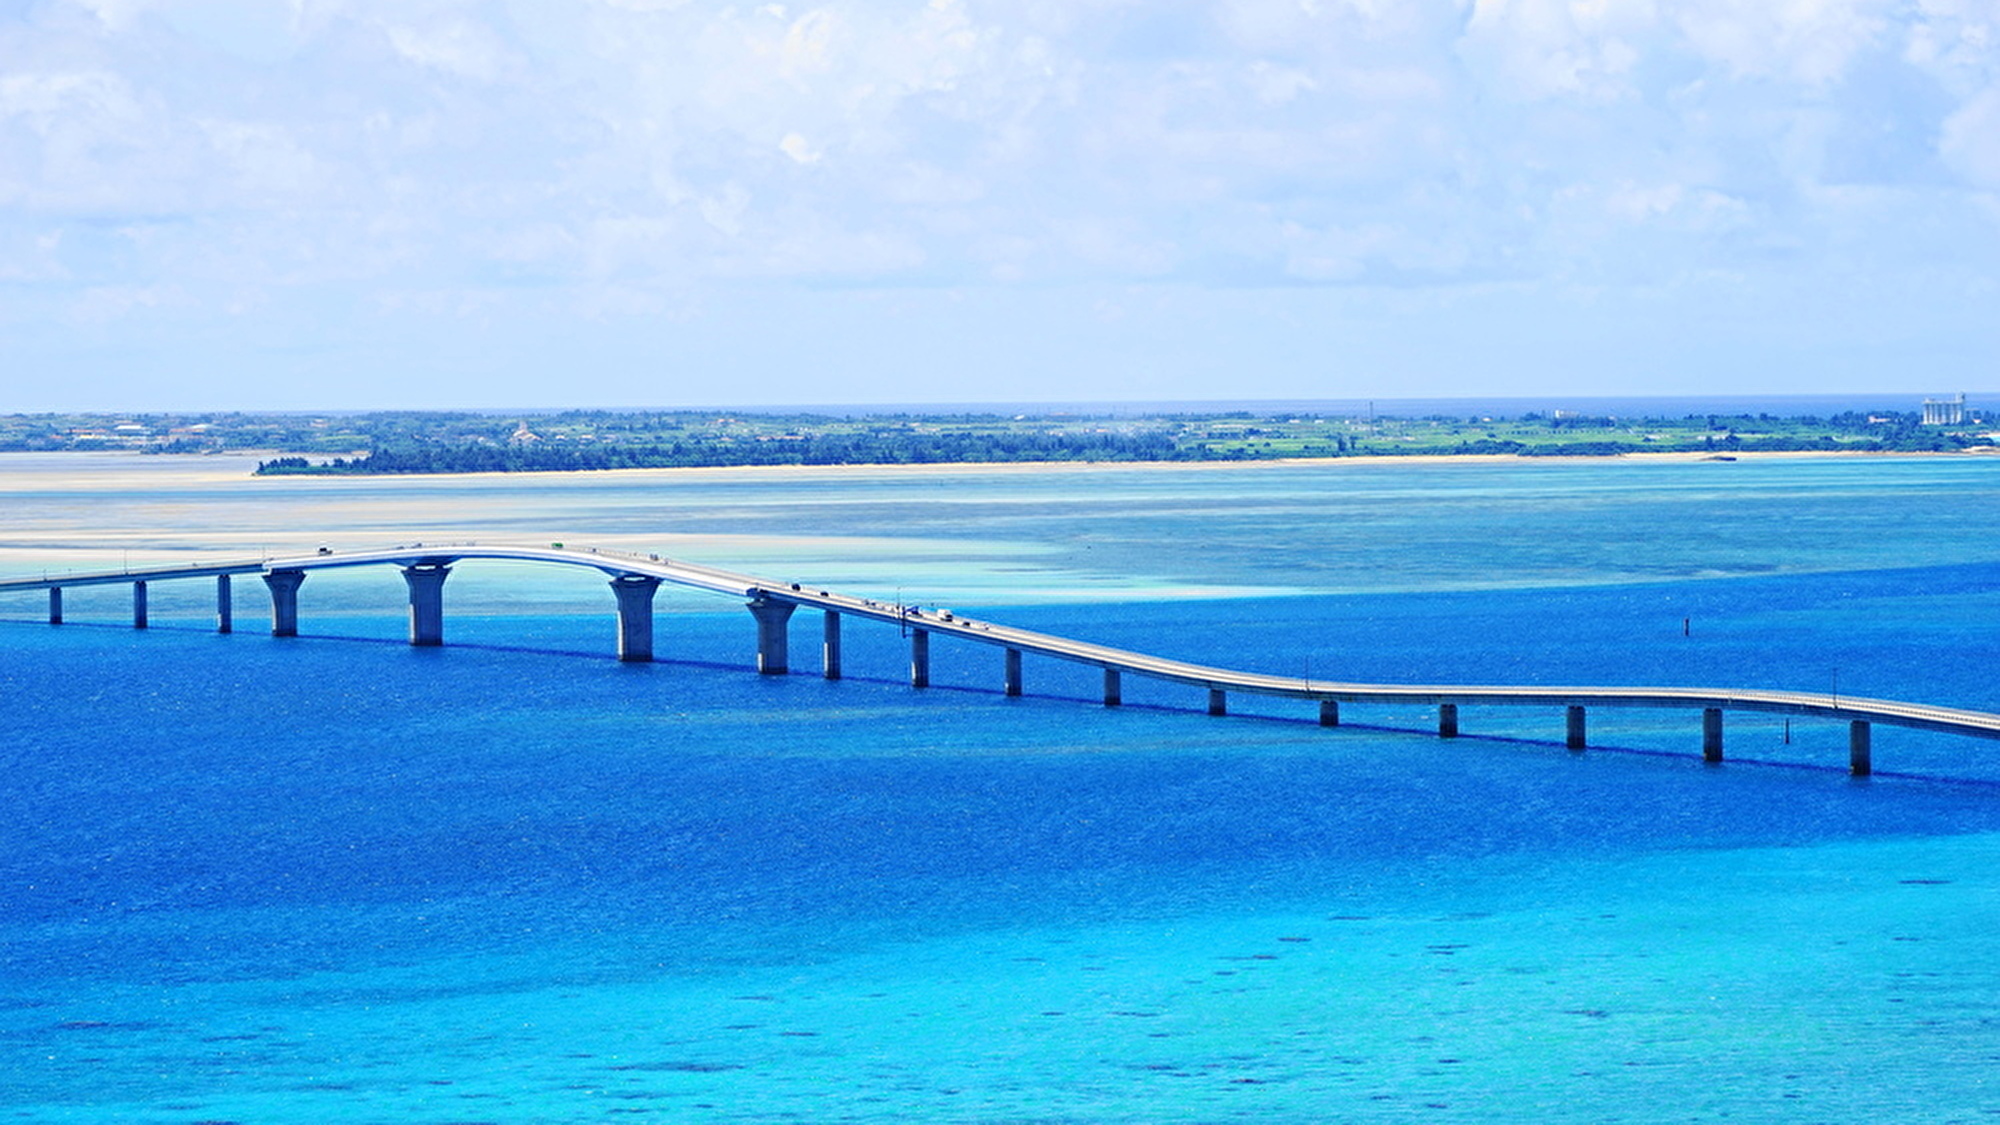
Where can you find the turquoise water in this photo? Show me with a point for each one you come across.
(338, 879)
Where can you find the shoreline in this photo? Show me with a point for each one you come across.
(1077, 528)
(130, 461)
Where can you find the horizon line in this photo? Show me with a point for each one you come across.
(1496, 404)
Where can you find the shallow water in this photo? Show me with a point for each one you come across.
(339, 879)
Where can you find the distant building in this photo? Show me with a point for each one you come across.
(1945, 411)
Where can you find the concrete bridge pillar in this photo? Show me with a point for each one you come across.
(774, 645)
(55, 605)
(1218, 701)
(1329, 712)
(138, 605)
(1013, 677)
(1574, 736)
(635, 616)
(1860, 754)
(1113, 688)
(829, 646)
(1711, 734)
(284, 585)
(1447, 720)
(225, 608)
(426, 582)
(920, 658)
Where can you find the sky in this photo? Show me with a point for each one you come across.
(370, 204)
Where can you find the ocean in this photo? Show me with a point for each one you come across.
(334, 878)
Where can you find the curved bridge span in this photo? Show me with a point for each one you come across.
(635, 578)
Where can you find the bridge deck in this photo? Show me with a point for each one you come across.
(1921, 716)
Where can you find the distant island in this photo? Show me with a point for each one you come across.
(463, 442)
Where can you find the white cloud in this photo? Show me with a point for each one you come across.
(725, 209)
(82, 142)
(602, 153)
(1595, 213)
(798, 148)
(1958, 42)
(1531, 49)
(1810, 42)
(1970, 140)
(116, 15)
(29, 255)
(264, 157)
(1276, 85)
(454, 44)
(99, 102)
(1336, 254)
(105, 304)
(1117, 244)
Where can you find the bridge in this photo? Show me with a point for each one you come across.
(635, 578)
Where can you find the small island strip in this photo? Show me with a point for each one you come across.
(463, 442)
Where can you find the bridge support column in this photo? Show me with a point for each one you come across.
(829, 646)
(284, 586)
(774, 643)
(1218, 701)
(1013, 677)
(138, 605)
(920, 658)
(1113, 688)
(1574, 737)
(635, 616)
(225, 605)
(55, 605)
(1447, 720)
(426, 582)
(1711, 734)
(1329, 712)
(1860, 754)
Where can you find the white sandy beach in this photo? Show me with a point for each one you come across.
(78, 512)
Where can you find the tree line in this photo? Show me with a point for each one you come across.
(891, 448)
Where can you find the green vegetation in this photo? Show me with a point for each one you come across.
(457, 442)
(185, 433)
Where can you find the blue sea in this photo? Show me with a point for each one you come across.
(334, 878)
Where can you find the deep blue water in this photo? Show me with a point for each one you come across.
(337, 878)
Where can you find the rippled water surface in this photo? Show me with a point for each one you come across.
(334, 878)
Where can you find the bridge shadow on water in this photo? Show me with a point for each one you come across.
(197, 629)
(598, 655)
(1380, 729)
